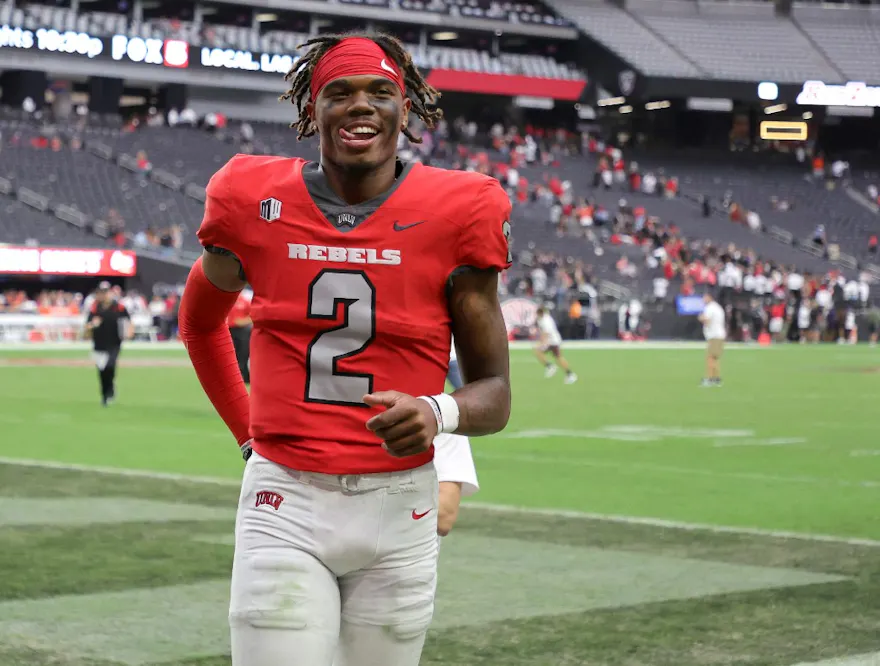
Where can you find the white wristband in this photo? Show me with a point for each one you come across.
(445, 410)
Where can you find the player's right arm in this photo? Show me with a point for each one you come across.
(211, 291)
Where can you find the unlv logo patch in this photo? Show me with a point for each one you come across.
(270, 209)
(345, 219)
(268, 497)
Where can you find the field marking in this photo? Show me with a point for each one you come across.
(671, 469)
(481, 580)
(872, 659)
(501, 508)
(772, 441)
(59, 418)
(864, 453)
(672, 524)
(630, 433)
(80, 511)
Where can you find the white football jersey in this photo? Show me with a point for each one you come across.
(454, 462)
(547, 326)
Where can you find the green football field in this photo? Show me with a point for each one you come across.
(633, 518)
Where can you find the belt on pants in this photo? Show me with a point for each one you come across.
(358, 483)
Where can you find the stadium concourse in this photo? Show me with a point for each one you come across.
(640, 230)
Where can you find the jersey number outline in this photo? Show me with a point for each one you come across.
(324, 382)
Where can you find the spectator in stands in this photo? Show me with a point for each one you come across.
(819, 166)
(157, 309)
(143, 163)
(819, 236)
(753, 220)
(873, 317)
(872, 244)
(839, 169)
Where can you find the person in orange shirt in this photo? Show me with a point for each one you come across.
(240, 325)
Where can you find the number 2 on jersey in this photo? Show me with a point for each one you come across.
(324, 382)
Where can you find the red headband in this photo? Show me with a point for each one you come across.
(355, 56)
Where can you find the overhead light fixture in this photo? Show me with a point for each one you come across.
(656, 106)
(444, 36)
(808, 115)
(776, 108)
(266, 18)
(611, 101)
(626, 109)
(784, 130)
(768, 91)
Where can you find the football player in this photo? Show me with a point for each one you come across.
(549, 340)
(108, 323)
(362, 268)
(457, 476)
(454, 374)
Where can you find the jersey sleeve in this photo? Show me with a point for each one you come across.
(455, 463)
(219, 231)
(485, 239)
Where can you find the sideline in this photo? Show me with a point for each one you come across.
(500, 508)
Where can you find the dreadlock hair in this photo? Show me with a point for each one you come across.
(420, 92)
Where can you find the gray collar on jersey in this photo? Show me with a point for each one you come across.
(341, 215)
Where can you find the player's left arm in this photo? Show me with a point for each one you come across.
(483, 355)
(477, 322)
(482, 407)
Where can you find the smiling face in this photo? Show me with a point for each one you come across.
(358, 119)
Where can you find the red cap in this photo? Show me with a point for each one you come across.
(355, 56)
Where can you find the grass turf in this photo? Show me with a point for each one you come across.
(787, 444)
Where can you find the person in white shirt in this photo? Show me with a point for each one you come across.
(453, 375)
(549, 340)
(661, 287)
(794, 282)
(715, 331)
(804, 316)
(457, 476)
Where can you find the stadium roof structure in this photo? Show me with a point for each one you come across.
(735, 41)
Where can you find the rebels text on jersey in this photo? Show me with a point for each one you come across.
(348, 300)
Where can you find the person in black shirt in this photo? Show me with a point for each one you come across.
(107, 324)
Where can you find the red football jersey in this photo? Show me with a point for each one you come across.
(348, 300)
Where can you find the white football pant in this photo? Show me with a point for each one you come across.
(333, 570)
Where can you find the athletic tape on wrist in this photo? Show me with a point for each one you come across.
(435, 407)
(446, 411)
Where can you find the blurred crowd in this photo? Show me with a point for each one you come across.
(160, 309)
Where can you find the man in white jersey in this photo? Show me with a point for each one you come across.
(454, 374)
(457, 476)
(715, 331)
(549, 340)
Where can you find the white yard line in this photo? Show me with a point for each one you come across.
(563, 462)
(872, 659)
(672, 524)
(500, 508)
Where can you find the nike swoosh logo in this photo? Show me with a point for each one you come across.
(388, 68)
(419, 516)
(403, 227)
